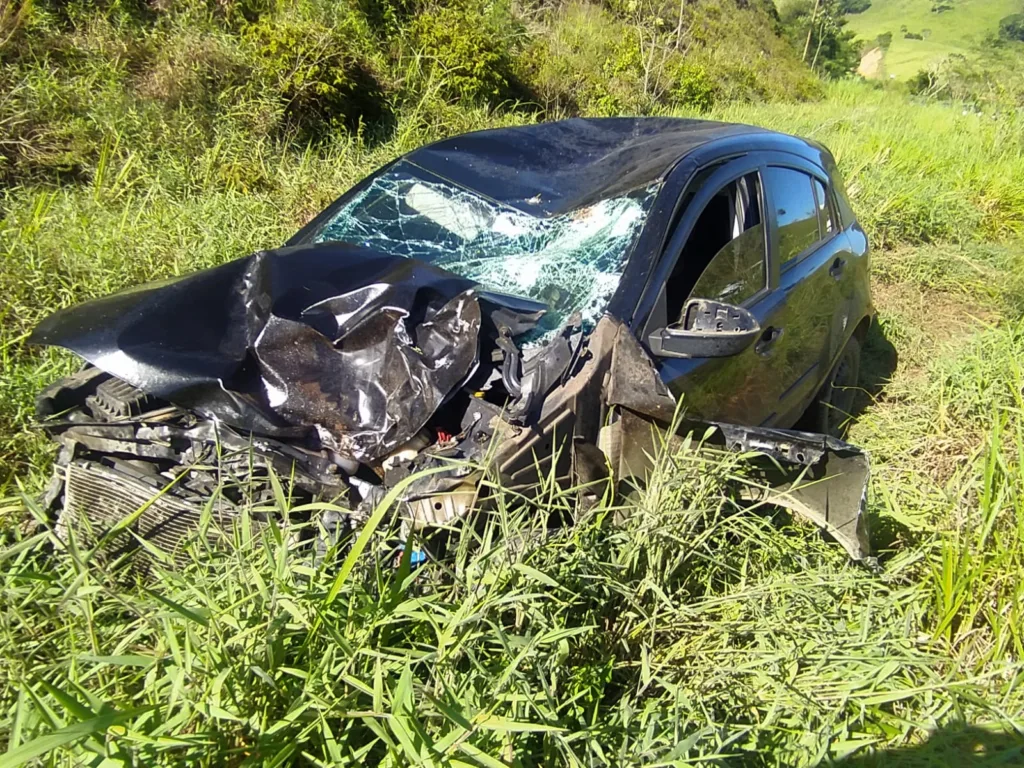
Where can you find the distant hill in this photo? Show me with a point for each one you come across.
(961, 27)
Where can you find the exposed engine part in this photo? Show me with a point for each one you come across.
(98, 498)
(116, 399)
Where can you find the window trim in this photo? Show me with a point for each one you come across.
(830, 205)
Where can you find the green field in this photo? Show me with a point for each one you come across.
(679, 629)
(961, 30)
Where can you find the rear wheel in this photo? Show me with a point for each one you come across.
(832, 408)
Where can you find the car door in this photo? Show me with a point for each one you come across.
(812, 257)
(721, 251)
(719, 254)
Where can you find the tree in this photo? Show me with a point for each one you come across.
(820, 31)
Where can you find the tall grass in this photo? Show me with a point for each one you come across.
(690, 631)
(918, 172)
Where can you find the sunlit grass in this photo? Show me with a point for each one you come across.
(689, 629)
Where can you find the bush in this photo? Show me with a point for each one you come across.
(466, 48)
(745, 54)
(1012, 27)
(323, 79)
(588, 63)
(854, 6)
(693, 87)
(992, 83)
(924, 82)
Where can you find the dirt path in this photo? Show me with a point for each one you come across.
(872, 64)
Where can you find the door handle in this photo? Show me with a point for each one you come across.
(836, 270)
(769, 336)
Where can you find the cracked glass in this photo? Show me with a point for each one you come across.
(572, 262)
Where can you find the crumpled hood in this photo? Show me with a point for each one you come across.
(359, 346)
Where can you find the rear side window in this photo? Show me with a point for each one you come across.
(795, 210)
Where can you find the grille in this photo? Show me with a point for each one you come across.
(96, 498)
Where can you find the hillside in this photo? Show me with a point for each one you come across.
(960, 30)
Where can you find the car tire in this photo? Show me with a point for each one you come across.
(833, 405)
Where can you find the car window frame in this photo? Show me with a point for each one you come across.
(797, 163)
(733, 167)
(763, 211)
(830, 207)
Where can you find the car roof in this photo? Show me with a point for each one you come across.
(546, 169)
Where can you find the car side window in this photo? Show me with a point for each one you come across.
(724, 256)
(796, 210)
(825, 217)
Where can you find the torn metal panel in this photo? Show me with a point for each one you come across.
(818, 478)
(349, 349)
(616, 400)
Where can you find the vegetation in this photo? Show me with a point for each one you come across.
(1012, 27)
(819, 28)
(854, 6)
(143, 140)
(991, 82)
(955, 27)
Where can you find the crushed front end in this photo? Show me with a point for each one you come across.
(406, 375)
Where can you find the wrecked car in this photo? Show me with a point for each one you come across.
(522, 302)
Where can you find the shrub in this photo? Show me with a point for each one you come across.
(745, 54)
(994, 82)
(693, 87)
(854, 6)
(322, 78)
(925, 81)
(388, 17)
(465, 46)
(587, 63)
(1012, 27)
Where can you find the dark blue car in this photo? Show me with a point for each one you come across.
(706, 210)
(523, 301)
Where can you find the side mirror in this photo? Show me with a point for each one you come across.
(707, 329)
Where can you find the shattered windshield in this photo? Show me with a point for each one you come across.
(571, 262)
